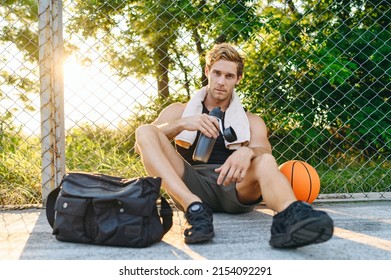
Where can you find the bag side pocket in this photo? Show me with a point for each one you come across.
(70, 219)
(119, 225)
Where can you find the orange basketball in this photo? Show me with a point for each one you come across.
(303, 178)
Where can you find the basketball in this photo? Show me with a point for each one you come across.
(303, 178)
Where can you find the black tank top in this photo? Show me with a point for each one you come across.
(219, 153)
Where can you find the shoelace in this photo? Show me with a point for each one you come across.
(199, 220)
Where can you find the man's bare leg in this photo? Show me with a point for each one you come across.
(160, 159)
(296, 224)
(264, 178)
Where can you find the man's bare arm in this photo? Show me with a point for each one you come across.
(171, 123)
(169, 120)
(235, 167)
(259, 142)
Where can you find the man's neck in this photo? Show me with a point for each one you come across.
(211, 102)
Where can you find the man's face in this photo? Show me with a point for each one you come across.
(222, 77)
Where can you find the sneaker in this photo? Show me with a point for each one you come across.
(300, 225)
(199, 223)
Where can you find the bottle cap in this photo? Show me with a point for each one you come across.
(230, 135)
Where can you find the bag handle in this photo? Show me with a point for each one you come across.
(50, 203)
(166, 214)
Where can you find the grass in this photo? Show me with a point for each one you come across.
(20, 173)
(111, 152)
(356, 178)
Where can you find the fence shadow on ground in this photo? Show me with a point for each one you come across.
(362, 232)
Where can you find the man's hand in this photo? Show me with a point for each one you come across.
(235, 167)
(171, 123)
(209, 126)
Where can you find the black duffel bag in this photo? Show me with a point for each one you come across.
(106, 210)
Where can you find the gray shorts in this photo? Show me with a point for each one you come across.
(202, 181)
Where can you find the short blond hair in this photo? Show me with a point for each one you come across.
(227, 52)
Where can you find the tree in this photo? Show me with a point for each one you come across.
(18, 59)
(156, 37)
(324, 73)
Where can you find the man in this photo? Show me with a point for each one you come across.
(234, 180)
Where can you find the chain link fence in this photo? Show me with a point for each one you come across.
(318, 72)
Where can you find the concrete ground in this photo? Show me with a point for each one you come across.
(362, 232)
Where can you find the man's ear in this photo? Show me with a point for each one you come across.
(239, 79)
(206, 71)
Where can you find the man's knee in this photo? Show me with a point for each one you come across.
(145, 132)
(264, 162)
(262, 166)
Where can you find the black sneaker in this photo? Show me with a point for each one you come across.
(199, 223)
(300, 225)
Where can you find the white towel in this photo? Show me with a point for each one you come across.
(235, 116)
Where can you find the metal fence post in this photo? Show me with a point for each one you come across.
(51, 94)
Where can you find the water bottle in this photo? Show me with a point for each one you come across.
(205, 144)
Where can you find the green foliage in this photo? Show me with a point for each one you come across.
(353, 177)
(101, 149)
(19, 41)
(317, 71)
(143, 36)
(323, 74)
(19, 178)
(20, 26)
